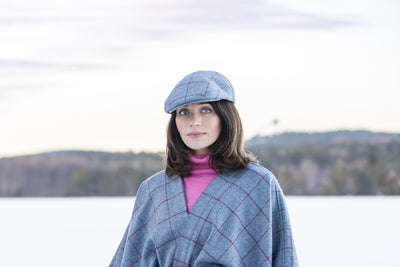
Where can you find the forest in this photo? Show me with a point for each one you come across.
(329, 163)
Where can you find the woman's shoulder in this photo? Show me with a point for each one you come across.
(255, 172)
(259, 170)
(156, 178)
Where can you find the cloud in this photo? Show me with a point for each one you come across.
(186, 15)
(159, 18)
(78, 35)
(25, 64)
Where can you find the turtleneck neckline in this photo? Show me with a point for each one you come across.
(200, 177)
(198, 160)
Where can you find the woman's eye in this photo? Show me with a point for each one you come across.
(183, 112)
(206, 110)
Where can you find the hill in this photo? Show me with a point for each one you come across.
(76, 173)
(330, 163)
(334, 137)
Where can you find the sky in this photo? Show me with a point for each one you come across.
(94, 74)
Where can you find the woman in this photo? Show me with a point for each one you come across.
(213, 205)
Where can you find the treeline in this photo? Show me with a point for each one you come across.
(76, 173)
(334, 163)
(334, 169)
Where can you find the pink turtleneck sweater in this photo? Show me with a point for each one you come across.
(200, 177)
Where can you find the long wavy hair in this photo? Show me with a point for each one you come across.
(226, 153)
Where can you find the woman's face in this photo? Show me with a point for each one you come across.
(199, 126)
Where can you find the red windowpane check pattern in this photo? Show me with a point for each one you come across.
(193, 88)
(239, 219)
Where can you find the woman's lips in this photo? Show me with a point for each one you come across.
(196, 134)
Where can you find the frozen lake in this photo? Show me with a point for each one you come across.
(328, 231)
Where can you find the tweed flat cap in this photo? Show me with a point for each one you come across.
(197, 87)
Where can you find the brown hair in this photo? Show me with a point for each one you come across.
(226, 153)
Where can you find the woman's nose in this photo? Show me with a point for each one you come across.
(195, 121)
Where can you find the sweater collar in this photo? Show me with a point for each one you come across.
(199, 161)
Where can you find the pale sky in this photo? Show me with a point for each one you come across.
(94, 74)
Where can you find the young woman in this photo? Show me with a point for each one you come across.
(213, 205)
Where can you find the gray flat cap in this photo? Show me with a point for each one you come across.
(197, 87)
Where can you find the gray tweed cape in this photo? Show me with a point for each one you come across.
(241, 219)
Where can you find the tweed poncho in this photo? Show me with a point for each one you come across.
(240, 219)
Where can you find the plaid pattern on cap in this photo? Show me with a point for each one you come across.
(240, 219)
(199, 86)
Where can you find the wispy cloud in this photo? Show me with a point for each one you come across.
(101, 27)
(152, 18)
(240, 15)
(73, 35)
(25, 64)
